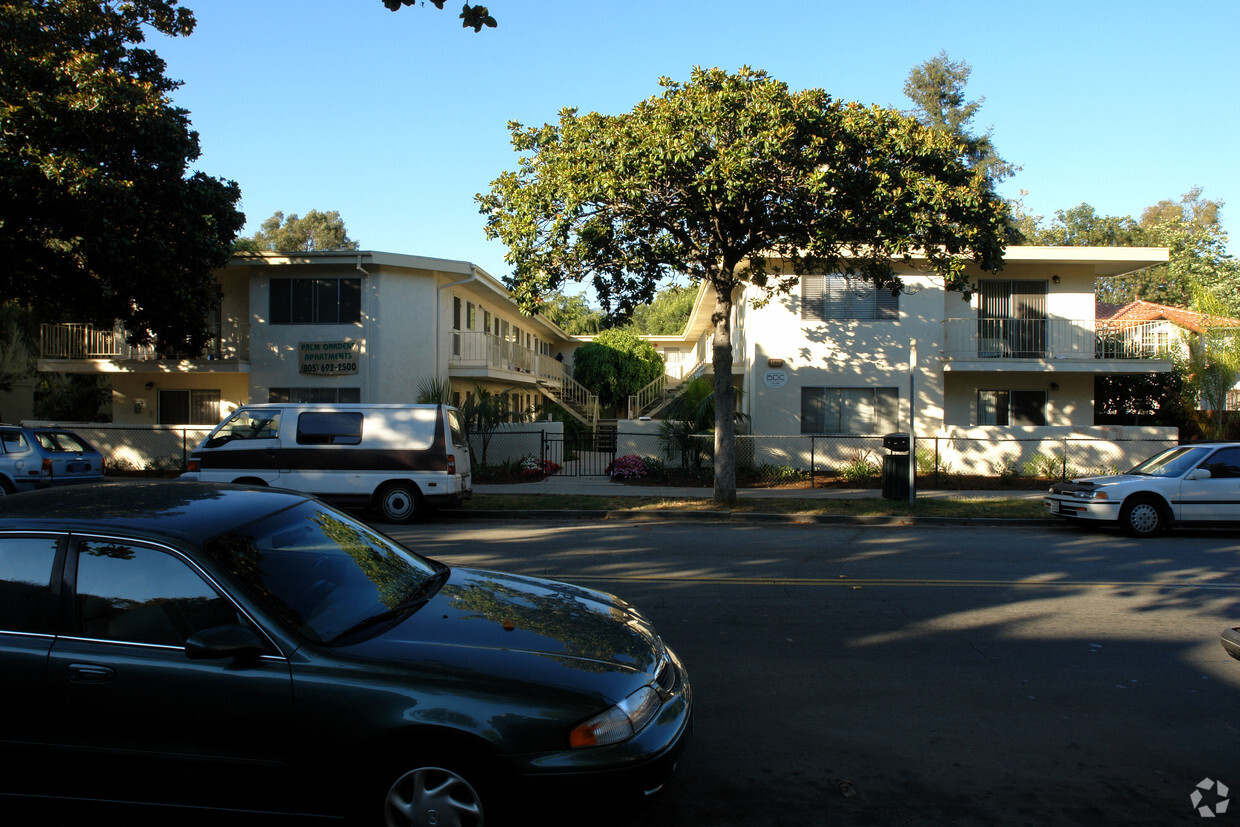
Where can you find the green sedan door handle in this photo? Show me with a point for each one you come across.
(90, 673)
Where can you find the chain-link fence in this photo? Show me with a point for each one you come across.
(143, 448)
(536, 450)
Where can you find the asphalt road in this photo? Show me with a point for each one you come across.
(852, 675)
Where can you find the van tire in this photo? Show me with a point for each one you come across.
(400, 502)
(250, 481)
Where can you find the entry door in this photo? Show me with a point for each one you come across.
(1011, 319)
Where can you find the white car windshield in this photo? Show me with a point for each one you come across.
(1171, 463)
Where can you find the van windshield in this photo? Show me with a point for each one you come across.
(246, 424)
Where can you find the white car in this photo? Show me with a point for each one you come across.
(1187, 485)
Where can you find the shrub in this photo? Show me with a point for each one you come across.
(860, 467)
(534, 467)
(628, 467)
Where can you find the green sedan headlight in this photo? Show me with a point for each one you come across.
(619, 722)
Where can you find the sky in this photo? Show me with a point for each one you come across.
(398, 119)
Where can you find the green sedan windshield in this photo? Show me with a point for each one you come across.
(320, 571)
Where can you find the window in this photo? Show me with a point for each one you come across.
(1011, 319)
(471, 315)
(1011, 407)
(329, 428)
(189, 407)
(14, 442)
(136, 594)
(309, 396)
(840, 298)
(26, 566)
(456, 313)
(849, 410)
(316, 301)
(1224, 464)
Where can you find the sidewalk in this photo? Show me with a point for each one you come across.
(604, 487)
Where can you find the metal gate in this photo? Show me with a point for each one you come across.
(581, 454)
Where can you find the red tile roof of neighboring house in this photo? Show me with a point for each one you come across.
(1143, 311)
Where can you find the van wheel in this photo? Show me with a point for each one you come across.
(400, 502)
(250, 481)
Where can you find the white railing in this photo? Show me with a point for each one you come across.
(1080, 339)
(85, 341)
(567, 390)
(472, 347)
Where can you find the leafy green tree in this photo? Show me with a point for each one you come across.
(572, 314)
(733, 179)
(472, 17)
(315, 231)
(616, 364)
(936, 89)
(98, 214)
(74, 397)
(667, 315)
(1141, 399)
(1212, 365)
(1190, 228)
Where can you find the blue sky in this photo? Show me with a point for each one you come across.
(396, 120)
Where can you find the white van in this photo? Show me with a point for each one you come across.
(399, 459)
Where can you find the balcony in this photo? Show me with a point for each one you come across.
(481, 354)
(1085, 345)
(106, 348)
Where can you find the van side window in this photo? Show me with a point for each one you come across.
(458, 433)
(247, 425)
(329, 428)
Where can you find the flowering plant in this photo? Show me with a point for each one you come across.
(534, 467)
(629, 467)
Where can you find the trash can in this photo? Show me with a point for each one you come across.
(895, 467)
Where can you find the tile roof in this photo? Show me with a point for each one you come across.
(1143, 311)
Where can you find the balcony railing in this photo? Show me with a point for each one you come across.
(474, 348)
(1074, 339)
(85, 341)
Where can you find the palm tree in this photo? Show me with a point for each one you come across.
(690, 419)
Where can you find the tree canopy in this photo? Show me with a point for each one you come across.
(667, 314)
(472, 17)
(936, 89)
(316, 231)
(735, 179)
(573, 314)
(615, 365)
(100, 219)
(1189, 227)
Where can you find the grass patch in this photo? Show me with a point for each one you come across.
(962, 507)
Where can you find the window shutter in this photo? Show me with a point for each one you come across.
(812, 288)
(887, 306)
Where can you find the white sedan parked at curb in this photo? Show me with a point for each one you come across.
(1195, 484)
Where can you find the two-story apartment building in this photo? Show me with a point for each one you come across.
(1019, 353)
(332, 327)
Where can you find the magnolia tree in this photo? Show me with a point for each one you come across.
(736, 180)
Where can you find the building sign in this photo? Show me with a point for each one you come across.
(327, 358)
(775, 378)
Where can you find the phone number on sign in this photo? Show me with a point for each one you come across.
(340, 367)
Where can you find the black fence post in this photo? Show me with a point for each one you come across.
(813, 483)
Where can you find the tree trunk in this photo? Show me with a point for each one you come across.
(725, 399)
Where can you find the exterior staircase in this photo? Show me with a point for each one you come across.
(571, 396)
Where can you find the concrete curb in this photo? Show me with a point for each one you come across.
(747, 516)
